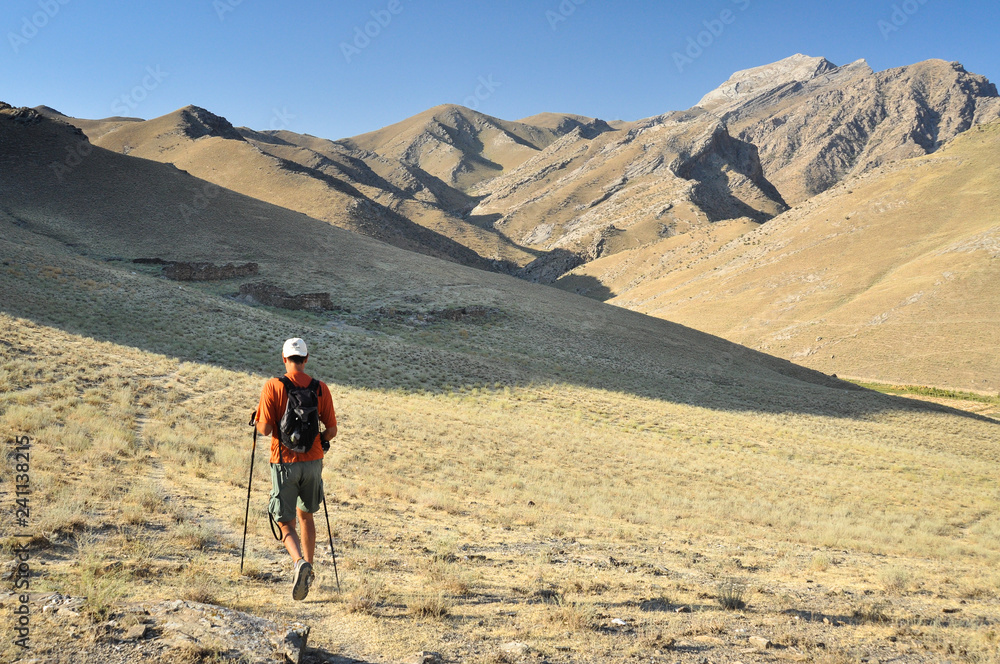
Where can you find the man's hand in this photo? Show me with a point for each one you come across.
(326, 436)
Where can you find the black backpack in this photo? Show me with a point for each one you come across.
(300, 424)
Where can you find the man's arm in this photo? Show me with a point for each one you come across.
(327, 415)
(264, 408)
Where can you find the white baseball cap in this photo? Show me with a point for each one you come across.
(294, 347)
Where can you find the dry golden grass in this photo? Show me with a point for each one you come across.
(548, 515)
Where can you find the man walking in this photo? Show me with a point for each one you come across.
(296, 476)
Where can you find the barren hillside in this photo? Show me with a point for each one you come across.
(890, 275)
(209, 147)
(594, 194)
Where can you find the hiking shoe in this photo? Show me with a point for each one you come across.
(301, 579)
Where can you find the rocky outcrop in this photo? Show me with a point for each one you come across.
(187, 271)
(268, 294)
(208, 271)
(744, 86)
(23, 115)
(549, 267)
(590, 197)
(814, 125)
(198, 122)
(171, 631)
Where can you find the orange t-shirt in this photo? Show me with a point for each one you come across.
(273, 400)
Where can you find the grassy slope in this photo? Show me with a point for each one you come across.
(548, 481)
(551, 438)
(887, 277)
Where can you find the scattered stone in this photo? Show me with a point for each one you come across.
(136, 632)
(619, 622)
(293, 644)
(683, 609)
(515, 648)
(760, 643)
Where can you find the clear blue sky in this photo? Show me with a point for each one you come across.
(282, 64)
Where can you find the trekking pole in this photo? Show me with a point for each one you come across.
(330, 533)
(246, 518)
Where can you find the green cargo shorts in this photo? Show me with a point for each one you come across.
(295, 485)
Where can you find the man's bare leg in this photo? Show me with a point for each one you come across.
(308, 542)
(291, 539)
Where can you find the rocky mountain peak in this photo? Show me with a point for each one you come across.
(199, 122)
(750, 83)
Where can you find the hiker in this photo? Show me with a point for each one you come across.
(296, 477)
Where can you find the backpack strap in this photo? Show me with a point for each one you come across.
(315, 387)
(287, 382)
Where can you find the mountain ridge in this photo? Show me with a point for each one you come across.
(559, 196)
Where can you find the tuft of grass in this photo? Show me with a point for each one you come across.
(367, 596)
(195, 653)
(193, 536)
(201, 592)
(655, 604)
(876, 612)
(895, 580)
(435, 607)
(102, 585)
(819, 563)
(574, 616)
(731, 594)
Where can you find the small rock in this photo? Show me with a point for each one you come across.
(515, 648)
(683, 609)
(136, 632)
(619, 622)
(760, 643)
(294, 642)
